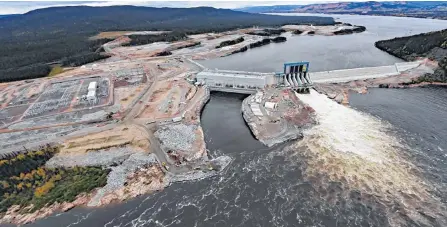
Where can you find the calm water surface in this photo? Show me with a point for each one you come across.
(330, 52)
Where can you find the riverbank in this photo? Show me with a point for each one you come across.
(432, 45)
(139, 163)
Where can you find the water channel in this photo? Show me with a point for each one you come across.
(265, 186)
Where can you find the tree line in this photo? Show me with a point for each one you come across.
(24, 180)
(62, 34)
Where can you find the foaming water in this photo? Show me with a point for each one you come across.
(354, 149)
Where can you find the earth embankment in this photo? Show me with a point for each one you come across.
(432, 45)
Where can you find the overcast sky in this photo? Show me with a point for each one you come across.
(14, 7)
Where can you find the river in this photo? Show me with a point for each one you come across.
(285, 185)
(330, 52)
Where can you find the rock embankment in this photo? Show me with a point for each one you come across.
(275, 116)
(432, 45)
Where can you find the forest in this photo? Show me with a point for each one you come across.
(147, 39)
(230, 42)
(432, 45)
(34, 40)
(25, 181)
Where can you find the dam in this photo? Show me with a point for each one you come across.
(295, 75)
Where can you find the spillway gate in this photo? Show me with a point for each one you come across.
(296, 76)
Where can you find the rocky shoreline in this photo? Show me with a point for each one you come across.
(431, 45)
(134, 173)
(285, 122)
(339, 92)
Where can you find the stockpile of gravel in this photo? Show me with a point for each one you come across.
(177, 137)
(117, 177)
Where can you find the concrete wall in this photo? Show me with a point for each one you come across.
(345, 75)
(233, 79)
(238, 81)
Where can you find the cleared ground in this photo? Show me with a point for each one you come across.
(168, 99)
(119, 136)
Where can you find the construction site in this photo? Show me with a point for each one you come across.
(276, 115)
(139, 111)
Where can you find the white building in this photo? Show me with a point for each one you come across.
(91, 96)
(92, 86)
(270, 105)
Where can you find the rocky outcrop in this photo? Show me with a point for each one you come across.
(432, 45)
(230, 42)
(356, 29)
(266, 41)
(145, 180)
(268, 32)
(16, 215)
(260, 43)
(243, 49)
(279, 39)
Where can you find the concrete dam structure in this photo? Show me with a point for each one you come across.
(235, 81)
(295, 76)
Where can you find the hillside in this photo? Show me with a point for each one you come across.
(429, 9)
(61, 34)
(432, 45)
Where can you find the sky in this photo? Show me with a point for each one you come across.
(18, 7)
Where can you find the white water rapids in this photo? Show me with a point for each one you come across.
(352, 148)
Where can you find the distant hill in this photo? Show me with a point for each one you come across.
(31, 40)
(8, 15)
(429, 9)
(432, 45)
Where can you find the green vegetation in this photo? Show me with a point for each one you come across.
(56, 70)
(147, 39)
(430, 45)
(279, 39)
(25, 181)
(61, 34)
(266, 41)
(230, 42)
(268, 32)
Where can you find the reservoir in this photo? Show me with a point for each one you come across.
(278, 186)
(330, 52)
